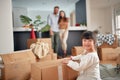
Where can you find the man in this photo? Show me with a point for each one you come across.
(54, 29)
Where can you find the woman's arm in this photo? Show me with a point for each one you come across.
(49, 23)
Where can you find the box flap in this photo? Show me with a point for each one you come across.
(18, 56)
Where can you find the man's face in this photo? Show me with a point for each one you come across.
(56, 10)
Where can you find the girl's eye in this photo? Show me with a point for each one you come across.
(90, 40)
(84, 40)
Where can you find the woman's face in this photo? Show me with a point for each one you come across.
(62, 14)
(88, 44)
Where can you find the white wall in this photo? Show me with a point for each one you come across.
(88, 14)
(17, 11)
(6, 28)
(44, 14)
(99, 18)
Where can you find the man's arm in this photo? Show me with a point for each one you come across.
(49, 23)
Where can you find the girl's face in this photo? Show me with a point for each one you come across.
(88, 44)
(62, 14)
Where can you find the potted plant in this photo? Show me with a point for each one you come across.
(32, 24)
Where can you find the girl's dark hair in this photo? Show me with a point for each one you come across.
(60, 17)
(88, 35)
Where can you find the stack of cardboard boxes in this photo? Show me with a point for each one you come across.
(23, 65)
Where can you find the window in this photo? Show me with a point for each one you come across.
(117, 22)
(118, 25)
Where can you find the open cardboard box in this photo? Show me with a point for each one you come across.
(51, 55)
(52, 70)
(17, 65)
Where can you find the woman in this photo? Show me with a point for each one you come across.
(88, 64)
(63, 27)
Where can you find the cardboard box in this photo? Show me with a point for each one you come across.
(114, 45)
(76, 50)
(48, 57)
(52, 70)
(109, 53)
(17, 65)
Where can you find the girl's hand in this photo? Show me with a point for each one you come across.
(66, 60)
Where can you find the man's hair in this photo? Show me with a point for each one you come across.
(88, 35)
(56, 7)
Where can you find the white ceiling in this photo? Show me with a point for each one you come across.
(43, 4)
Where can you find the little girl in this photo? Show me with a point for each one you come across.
(88, 65)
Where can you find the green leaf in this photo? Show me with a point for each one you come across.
(25, 19)
(38, 17)
(45, 28)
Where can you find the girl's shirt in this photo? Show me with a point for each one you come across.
(88, 65)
